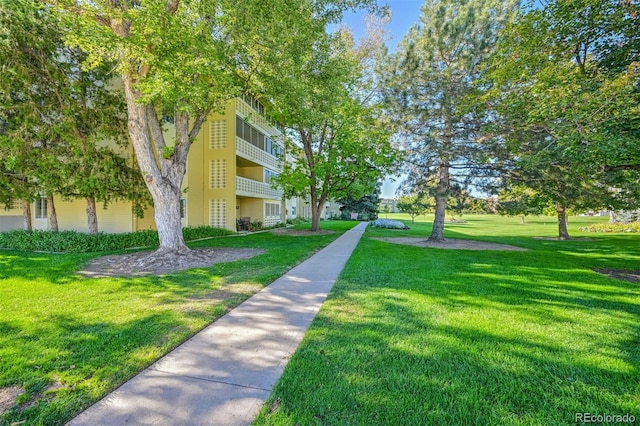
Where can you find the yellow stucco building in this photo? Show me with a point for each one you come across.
(229, 169)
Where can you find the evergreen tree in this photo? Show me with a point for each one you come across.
(366, 206)
(431, 91)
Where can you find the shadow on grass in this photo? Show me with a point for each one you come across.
(89, 335)
(82, 360)
(446, 337)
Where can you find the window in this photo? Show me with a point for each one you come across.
(268, 145)
(268, 174)
(271, 209)
(247, 132)
(239, 127)
(41, 208)
(255, 137)
(183, 208)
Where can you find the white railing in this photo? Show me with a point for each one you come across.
(253, 188)
(245, 150)
(246, 112)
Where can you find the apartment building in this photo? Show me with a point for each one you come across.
(229, 171)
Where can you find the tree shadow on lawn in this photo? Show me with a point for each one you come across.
(88, 359)
(55, 268)
(482, 336)
(591, 251)
(428, 366)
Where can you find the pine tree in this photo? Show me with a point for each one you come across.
(431, 91)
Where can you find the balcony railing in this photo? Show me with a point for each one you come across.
(253, 188)
(245, 111)
(245, 150)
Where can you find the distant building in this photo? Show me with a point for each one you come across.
(388, 202)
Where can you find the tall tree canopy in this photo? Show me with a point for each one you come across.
(567, 89)
(431, 91)
(181, 59)
(339, 142)
(55, 114)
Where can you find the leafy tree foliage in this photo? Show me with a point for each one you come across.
(431, 92)
(521, 201)
(56, 115)
(567, 92)
(181, 59)
(338, 141)
(414, 205)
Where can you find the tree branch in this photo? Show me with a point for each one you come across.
(172, 6)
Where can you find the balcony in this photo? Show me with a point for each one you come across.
(253, 188)
(245, 111)
(252, 153)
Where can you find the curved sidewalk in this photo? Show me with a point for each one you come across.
(224, 374)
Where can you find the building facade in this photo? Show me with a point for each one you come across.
(229, 171)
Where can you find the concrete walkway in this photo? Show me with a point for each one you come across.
(224, 374)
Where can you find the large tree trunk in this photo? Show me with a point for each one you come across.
(563, 233)
(442, 195)
(316, 212)
(92, 216)
(164, 183)
(167, 216)
(53, 216)
(26, 215)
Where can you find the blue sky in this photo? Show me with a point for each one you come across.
(404, 13)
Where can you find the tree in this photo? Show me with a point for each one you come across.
(56, 115)
(566, 89)
(414, 205)
(366, 206)
(430, 89)
(181, 59)
(521, 201)
(338, 139)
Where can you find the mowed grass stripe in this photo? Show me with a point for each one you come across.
(416, 336)
(68, 340)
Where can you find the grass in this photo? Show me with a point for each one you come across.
(68, 340)
(446, 337)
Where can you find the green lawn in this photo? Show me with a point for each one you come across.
(68, 340)
(418, 336)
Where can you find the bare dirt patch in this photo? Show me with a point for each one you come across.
(451, 243)
(631, 276)
(144, 263)
(301, 232)
(8, 397)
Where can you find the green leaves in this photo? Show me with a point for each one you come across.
(570, 114)
(431, 91)
(339, 141)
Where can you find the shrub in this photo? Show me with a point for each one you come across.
(256, 225)
(78, 242)
(388, 224)
(199, 232)
(297, 221)
(612, 227)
